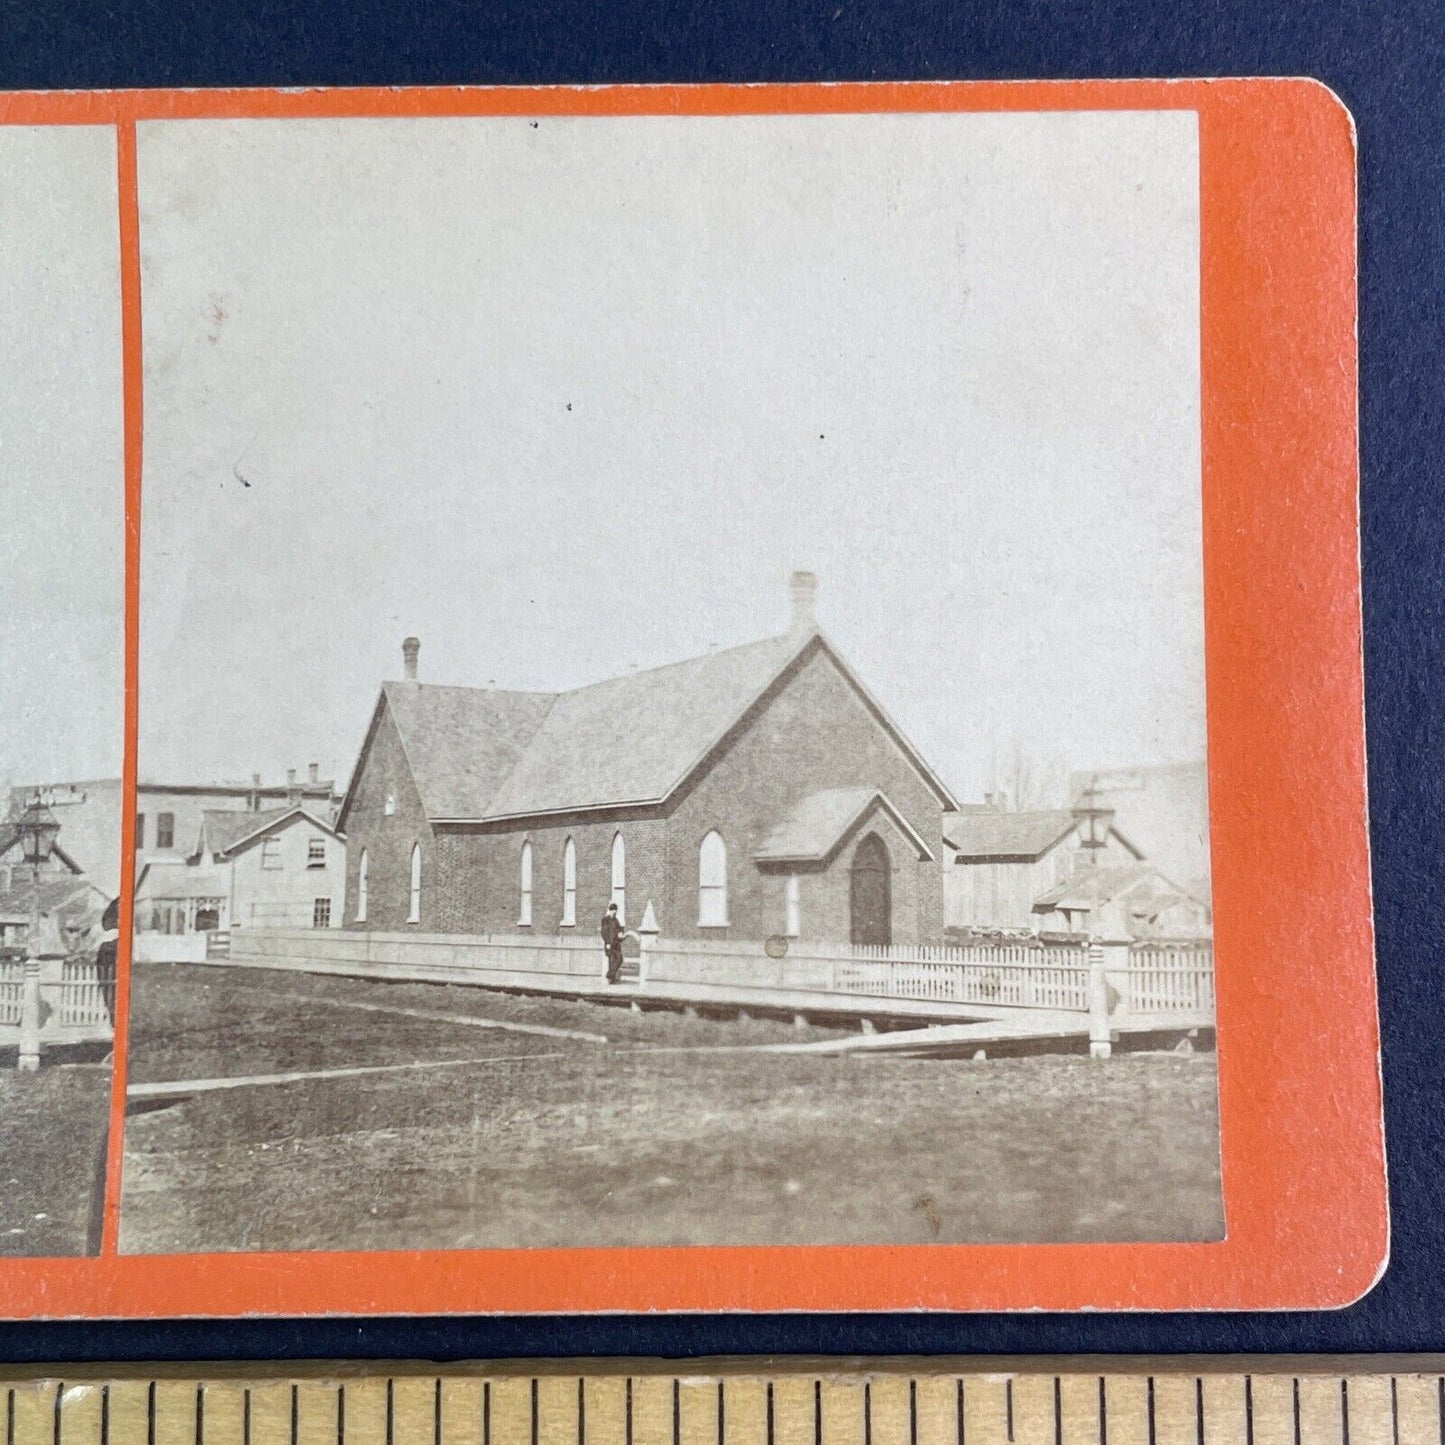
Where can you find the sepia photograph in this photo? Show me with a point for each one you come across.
(62, 684)
(671, 686)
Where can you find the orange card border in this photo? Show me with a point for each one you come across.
(1299, 1070)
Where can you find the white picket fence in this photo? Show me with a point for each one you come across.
(71, 1004)
(995, 979)
(12, 994)
(1166, 978)
(1007, 976)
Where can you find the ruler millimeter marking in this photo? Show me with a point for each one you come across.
(774, 1406)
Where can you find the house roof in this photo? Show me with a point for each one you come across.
(992, 833)
(302, 787)
(174, 879)
(633, 739)
(274, 821)
(480, 754)
(461, 742)
(57, 896)
(817, 825)
(221, 827)
(1090, 887)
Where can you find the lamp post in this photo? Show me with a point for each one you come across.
(37, 829)
(1097, 821)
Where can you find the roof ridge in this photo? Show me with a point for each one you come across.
(394, 682)
(680, 662)
(587, 747)
(266, 819)
(596, 682)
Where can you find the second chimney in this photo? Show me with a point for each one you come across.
(313, 772)
(805, 603)
(409, 650)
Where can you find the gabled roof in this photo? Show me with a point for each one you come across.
(994, 836)
(221, 827)
(633, 739)
(462, 742)
(1091, 887)
(816, 826)
(264, 825)
(993, 833)
(483, 755)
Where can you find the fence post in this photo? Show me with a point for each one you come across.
(647, 932)
(1100, 1043)
(1118, 954)
(30, 1016)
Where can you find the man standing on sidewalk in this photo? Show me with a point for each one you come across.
(612, 942)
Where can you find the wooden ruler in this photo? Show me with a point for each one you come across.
(899, 1402)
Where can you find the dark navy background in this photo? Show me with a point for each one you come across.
(1387, 61)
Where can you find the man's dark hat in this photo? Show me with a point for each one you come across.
(612, 908)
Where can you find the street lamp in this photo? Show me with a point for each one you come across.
(1097, 821)
(37, 829)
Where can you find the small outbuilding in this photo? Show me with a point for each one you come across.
(1129, 902)
(1000, 862)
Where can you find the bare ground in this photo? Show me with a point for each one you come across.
(536, 1140)
(53, 1126)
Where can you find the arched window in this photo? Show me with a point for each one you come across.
(712, 882)
(361, 878)
(569, 884)
(795, 906)
(524, 916)
(619, 875)
(414, 913)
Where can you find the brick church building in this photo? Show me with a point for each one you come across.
(756, 791)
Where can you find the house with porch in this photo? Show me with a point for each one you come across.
(755, 792)
(279, 867)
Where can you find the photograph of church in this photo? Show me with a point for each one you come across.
(740, 495)
(756, 791)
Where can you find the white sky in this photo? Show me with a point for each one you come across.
(567, 397)
(62, 548)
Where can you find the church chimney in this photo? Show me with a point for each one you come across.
(805, 603)
(409, 650)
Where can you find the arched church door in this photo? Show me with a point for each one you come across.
(870, 894)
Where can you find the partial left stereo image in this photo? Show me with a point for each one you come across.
(62, 681)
